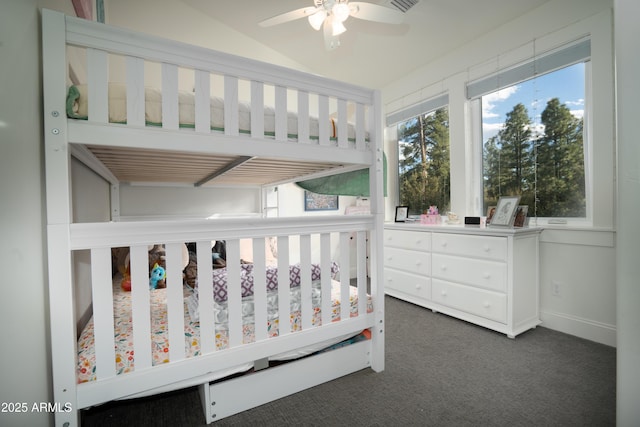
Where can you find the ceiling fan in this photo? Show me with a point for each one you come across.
(330, 15)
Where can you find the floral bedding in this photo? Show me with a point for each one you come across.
(125, 358)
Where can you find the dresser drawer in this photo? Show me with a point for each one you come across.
(488, 247)
(415, 240)
(476, 272)
(407, 283)
(411, 261)
(488, 304)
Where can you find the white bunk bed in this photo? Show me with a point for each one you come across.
(199, 153)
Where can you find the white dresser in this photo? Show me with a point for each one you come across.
(485, 276)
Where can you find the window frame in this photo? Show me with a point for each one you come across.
(474, 100)
(393, 120)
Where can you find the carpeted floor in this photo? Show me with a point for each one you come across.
(439, 371)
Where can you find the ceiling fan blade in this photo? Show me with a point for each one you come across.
(288, 16)
(374, 12)
(331, 42)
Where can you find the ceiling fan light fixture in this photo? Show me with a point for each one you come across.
(317, 19)
(337, 27)
(340, 11)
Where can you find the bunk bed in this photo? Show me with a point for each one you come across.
(336, 322)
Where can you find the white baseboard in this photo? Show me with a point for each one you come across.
(583, 328)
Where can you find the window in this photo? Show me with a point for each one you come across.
(533, 141)
(423, 161)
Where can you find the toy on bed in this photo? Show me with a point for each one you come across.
(157, 256)
(158, 273)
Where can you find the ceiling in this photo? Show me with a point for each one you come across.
(371, 54)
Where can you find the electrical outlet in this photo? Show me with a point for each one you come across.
(555, 288)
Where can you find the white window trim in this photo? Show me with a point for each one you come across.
(475, 109)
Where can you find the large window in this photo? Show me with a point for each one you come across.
(423, 161)
(533, 140)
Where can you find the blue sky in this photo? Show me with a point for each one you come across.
(566, 84)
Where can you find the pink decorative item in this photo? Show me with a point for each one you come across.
(432, 217)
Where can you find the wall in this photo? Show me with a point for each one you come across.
(24, 306)
(581, 260)
(200, 202)
(626, 38)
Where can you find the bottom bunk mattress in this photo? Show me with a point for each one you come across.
(123, 328)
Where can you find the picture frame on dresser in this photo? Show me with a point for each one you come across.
(402, 213)
(521, 216)
(505, 213)
(491, 210)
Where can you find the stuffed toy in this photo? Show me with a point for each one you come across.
(158, 273)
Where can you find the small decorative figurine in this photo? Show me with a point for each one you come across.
(431, 216)
(158, 273)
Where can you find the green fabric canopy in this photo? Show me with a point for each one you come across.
(354, 183)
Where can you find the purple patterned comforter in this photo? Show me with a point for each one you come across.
(246, 278)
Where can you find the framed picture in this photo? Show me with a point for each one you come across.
(505, 212)
(521, 216)
(491, 210)
(402, 213)
(320, 202)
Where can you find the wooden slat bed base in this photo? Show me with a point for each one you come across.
(138, 165)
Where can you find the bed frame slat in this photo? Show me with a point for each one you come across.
(135, 91)
(360, 127)
(231, 118)
(303, 117)
(234, 293)
(345, 279)
(257, 109)
(323, 120)
(170, 96)
(342, 125)
(97, 70)
(305, 281)
(141, 312)
(175, 305)
(205, 297)
(325, 277)
(202, 101)
(260, 288)
(361, 258)
(281, 113)
(101, 286)
(284, 305)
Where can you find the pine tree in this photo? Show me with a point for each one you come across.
(424, 162)
(508, 159)
(561, 183)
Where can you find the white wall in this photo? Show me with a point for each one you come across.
(24, 308)
(627, 35)
(200, 202)
(581, 260)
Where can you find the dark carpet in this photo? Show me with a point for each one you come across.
(439, 371)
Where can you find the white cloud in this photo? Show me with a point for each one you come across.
(488, 101)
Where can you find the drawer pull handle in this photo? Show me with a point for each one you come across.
(418, 263)
(443, 244)
(418, 242)
(486, 275)
(443, 268)
(389, 258)
(443, 293)
(418, 287)
(486, 304)
(487, 248)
